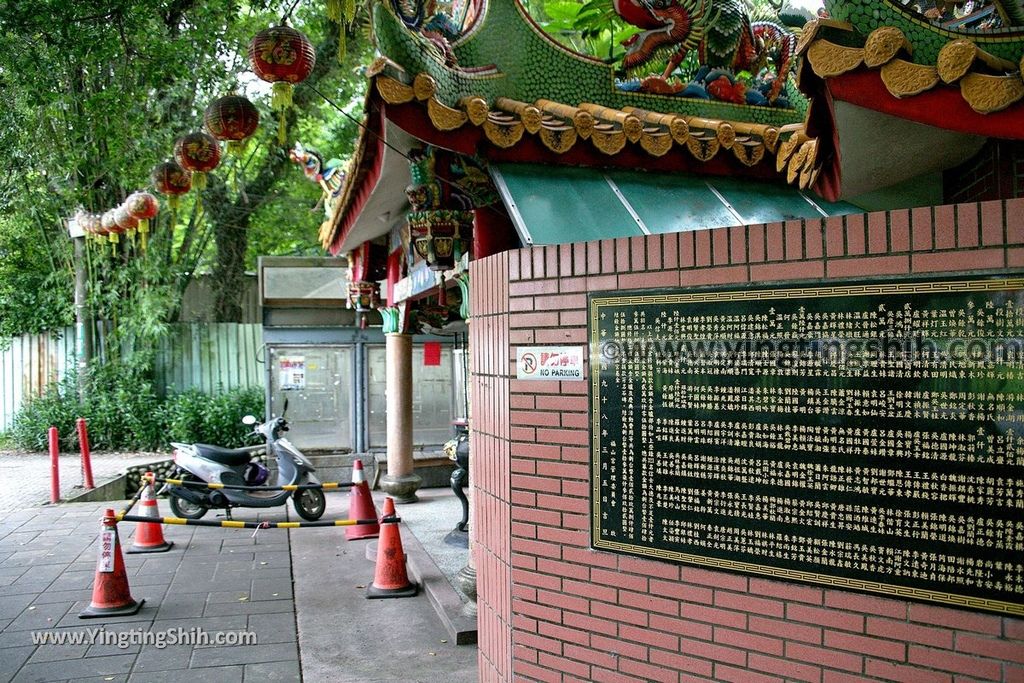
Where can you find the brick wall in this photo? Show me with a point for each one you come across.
(552, 609)
(996, 172)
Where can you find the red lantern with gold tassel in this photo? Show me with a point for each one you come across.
(109, 224)
(199, 154)
(143, 207)
(232, 119)
(282, 56)
(126, 222)
(172, 180)
(91, 225)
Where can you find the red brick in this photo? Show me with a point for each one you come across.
(990, 647)
(945, 227)
(786, 630)
(523, 466)
(718, 653)
(824, 656)
(826, 617)
(528, 287)
(618, 613)
(681, 627)
(592, 255)
(564, 602)
(589, 590)
(513, 267)
(1013, 674)
(840, 677)
(720, 246)
(796, 270)
(786, 591)
(564, 470)
(748, 603)
(619, 647)
(551, 261)
(756, 247)
(878, 238)
(639, 565)
(523, 303)
(589, 624)
(576, 335)
(526, 263)
(992, 224)
(537, 451)
(566, 436)
(565, 504)
(858, 602)
(714, 276)
(638, 253)
(794, 670)
(715, 579)
(536, 516)
(702, 241)
(651, 603)
(531, 547)
(774, 240)
(856, 234)
(666, 641)
(622, 254)
(1013, 628)
(958, 260)
(670, 251)
(794, 240)
(967, 225)
(591, 656)
(921, 228)
(537, 255)
(713, 615)
(535, 672)
(565, 537)
(683, 591)
(686, 249)
(649, 672)
(814, 233)
(1015, 220)
(665, 278)
(835, 240)
(604, 676)
(738, 244)
(563, 403)
(538, 642)
(575, 454)
(607, 256)
(749, 641)
(734, 675)
(899, 230)
(949, 661)
(536, 580)
(913, 633)
(523, 433)
(576, 488)
(869, 265)
(533, 417)
(653, 243)
(560, 302)
(680, 662)
(957, 619)
(1015, 258)
(524, 593)
(526, 654)
(904, 674)
(874, 647)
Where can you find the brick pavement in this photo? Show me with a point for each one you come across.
(26, 476)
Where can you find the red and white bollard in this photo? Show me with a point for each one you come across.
(54, 465)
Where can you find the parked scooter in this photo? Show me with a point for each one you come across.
(237, 467)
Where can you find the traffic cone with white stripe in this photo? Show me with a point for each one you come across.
(360, 506)
(149, 536)
(390, 579)
(111, 596)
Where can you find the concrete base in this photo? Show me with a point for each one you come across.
(402, 488)
(112, 489)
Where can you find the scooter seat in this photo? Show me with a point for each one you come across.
(225, 456)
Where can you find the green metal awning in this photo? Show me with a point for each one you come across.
(559, 204)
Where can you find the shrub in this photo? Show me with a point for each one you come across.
(193, 416)
(57, 407)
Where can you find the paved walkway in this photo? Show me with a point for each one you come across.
(219, 580)
(26, 476)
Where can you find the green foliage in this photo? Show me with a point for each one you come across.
(588, 26)
(193, 416)
(124, 412)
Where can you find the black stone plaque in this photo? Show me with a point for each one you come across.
(863, 436)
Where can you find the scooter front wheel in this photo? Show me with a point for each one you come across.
(310, 504)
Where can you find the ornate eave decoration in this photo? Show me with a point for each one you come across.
(560, 127)
(987, 83)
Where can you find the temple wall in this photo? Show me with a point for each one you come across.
(996, 172)
(552, 609)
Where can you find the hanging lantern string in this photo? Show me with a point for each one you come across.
(288, 15)
(387, 144)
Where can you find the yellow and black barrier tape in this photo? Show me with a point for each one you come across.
(235, 524)
(135, 498)
(239, 487)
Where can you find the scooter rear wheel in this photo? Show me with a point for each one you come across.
(310, 504)
(183, 508)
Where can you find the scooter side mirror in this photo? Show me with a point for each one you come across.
(249, 420)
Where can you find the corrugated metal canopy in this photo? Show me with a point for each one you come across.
(559, 204)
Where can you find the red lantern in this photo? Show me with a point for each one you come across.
(126, 222)
(91, 225)
(172, 180)
(198, 153)
(108, 222)
(142, 206)
(282, 56)
(232, 119)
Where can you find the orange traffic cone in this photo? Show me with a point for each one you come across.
(360, 506)
(111, 596)
(390, 579)
(149, 536)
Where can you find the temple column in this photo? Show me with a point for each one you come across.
(466, 577)
(400, 482)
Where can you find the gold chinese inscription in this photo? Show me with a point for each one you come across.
(862, 436)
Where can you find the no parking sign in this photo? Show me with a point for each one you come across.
(563, 363)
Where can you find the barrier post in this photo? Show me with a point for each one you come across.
(83, 443)
(54, 466)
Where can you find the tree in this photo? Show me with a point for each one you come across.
(95, 94)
